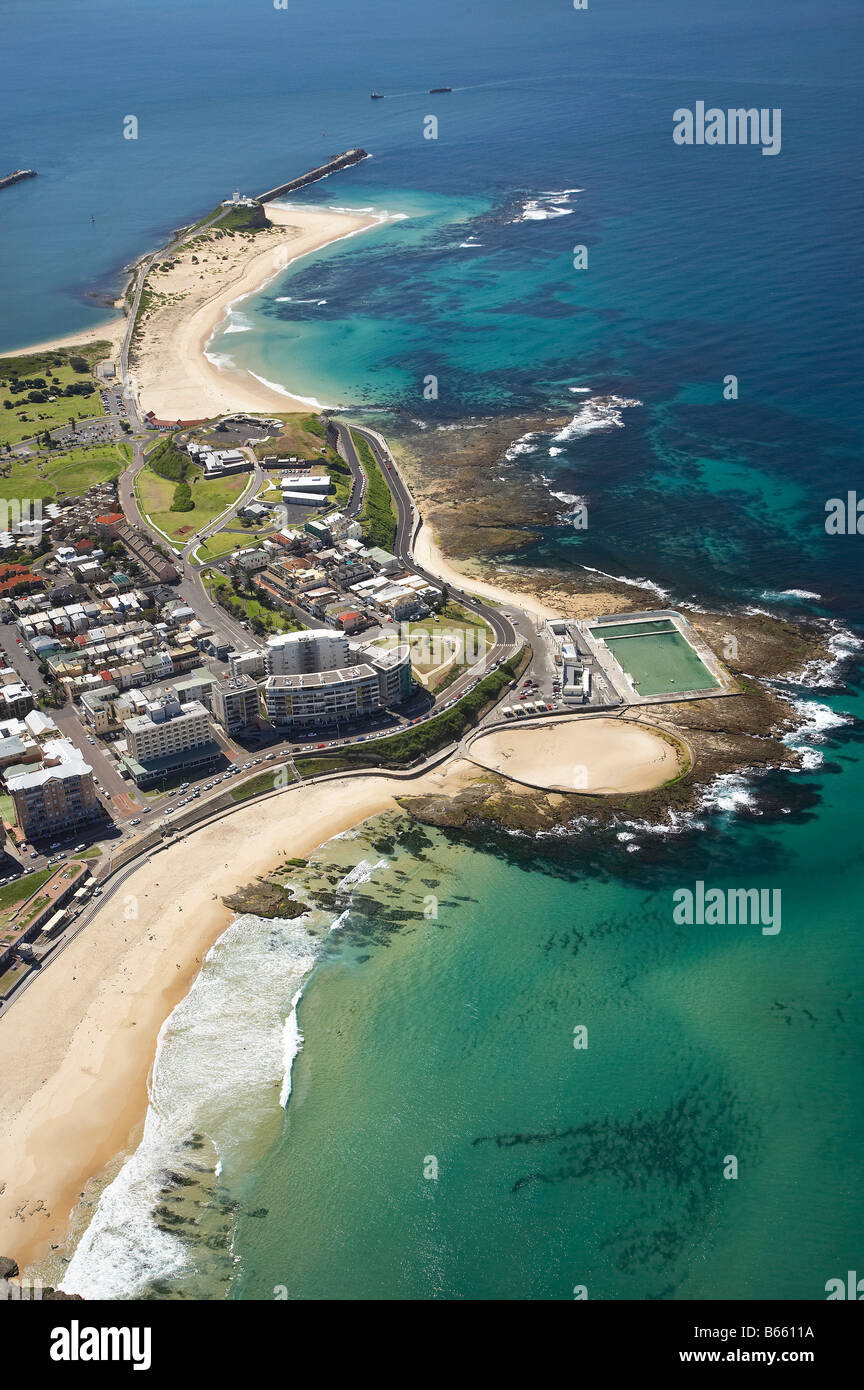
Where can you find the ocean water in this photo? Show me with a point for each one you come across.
(452, 1038)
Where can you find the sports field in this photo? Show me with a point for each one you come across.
(656, 657)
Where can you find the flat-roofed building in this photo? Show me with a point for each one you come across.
(167, 727)
(392, 665)
(56, 797)
(235, 703)
(313, 649)
(322, 697)
(247, 663)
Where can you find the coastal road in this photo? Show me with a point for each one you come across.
(190, 588)
(130, 394)
(408, 523)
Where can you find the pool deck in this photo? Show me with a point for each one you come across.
(619, 678)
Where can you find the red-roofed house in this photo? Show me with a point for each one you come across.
(352, 621)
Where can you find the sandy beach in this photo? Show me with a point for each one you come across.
(429, 555)
(109, 332)
(173, 376)
(599, 756)
(81, 1040)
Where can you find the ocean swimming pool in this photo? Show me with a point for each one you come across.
(657, 658)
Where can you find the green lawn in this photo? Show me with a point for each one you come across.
(214, 547)
(301, 435)
(68, 471)
(24, 480)
(273, 619)
(378, 517)
(211, 497)
(264, 782)
(27, 418)
(77, 470)
(13, 893)
(442, 650)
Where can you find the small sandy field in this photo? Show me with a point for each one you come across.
(599, 756)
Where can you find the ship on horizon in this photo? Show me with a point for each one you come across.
(433, 90)
(377, 96)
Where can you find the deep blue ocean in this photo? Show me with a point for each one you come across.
(702, 263)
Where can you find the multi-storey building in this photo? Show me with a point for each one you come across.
(57, 797)
(169, 738)
(322, 697)
(374, 677)
(298, 653)
(235, 703)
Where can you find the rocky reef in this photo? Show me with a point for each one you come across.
(264, 898)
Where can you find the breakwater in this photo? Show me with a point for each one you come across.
(17, 176)
(342, 161)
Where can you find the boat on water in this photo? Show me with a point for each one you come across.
(432, 90)
(377, 96)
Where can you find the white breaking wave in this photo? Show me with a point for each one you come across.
(728, 792)
(573, 501)
(222, 360)
(219, 1059)
(547, 205)
(817, 722)
(238, 323)
(289, 299)
(361, 873)
(631, 583)
(777, 595)
(283, 391)
(598, 413)
(523, 445)
(292, 1042)
(843, 645)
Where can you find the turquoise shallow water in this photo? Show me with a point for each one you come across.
(453, 1039)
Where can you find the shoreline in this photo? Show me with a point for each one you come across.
(430, 556)
(84, 1036)
(110, 332)
(175, 337)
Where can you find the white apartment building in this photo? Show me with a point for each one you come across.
(167, 728)
(297, 653)
(322, 697)
(235, 703)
